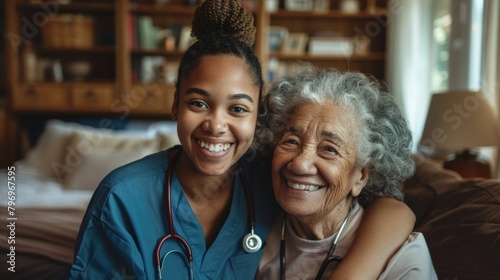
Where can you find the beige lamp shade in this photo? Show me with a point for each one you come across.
(459, 120)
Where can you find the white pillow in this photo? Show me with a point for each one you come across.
(90, 155)
(166, 132)
(167, 140)
(50, 147)
(97, 165)
(166, 127)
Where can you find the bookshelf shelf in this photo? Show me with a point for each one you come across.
(91, 7)
(331, 15)
(152, 9)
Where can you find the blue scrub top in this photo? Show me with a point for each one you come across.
(127, 216)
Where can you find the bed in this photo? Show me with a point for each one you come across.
(51, 186)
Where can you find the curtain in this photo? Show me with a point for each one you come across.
(409, 35)
(490, 83)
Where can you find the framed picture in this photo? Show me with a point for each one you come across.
(299, 5)
(185, 39)
(276, 36)
(295, 43)
(361, 44)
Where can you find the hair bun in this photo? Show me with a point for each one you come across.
(223, 16)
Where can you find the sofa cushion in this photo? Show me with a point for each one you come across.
(459, 218)
(429, 182)
(463, 231)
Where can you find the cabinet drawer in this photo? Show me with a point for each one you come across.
(41, 97)
(150, 98)
(93, 97)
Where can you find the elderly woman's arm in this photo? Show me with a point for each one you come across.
(385, 226)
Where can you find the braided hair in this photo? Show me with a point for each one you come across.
(226, 16)
(222, 27)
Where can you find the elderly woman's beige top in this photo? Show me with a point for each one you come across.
(304, 257)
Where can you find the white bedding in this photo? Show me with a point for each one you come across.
(35, 191)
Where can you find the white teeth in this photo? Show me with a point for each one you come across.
(303, 187)
(214, 148)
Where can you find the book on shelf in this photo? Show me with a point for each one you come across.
(132, 30)
(144, 34)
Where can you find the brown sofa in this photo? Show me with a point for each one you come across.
(460, 219)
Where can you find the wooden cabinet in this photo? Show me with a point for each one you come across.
(76, 57)
(62, 57)
(117, 56)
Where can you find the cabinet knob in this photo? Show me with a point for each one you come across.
(150, 96)
(31, 94)
(91, 96)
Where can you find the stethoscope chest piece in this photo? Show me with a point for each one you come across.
(252, 243)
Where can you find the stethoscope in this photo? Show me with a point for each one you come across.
(251, 242)
(329, 255)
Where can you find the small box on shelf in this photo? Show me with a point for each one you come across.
(319, 45)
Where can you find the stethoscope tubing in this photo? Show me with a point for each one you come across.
(329, 254)
(173, 235)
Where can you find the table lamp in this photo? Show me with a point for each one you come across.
(461, 121)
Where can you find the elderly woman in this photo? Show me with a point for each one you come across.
(340, 140)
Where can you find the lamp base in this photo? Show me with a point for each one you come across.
(469, 165)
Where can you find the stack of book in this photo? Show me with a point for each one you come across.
(330, 43)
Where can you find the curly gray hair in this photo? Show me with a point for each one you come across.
(384, 144)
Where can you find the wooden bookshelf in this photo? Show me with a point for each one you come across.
(113, 86)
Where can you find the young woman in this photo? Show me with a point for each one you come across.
(201, 210)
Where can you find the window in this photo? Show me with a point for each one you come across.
(456, 56)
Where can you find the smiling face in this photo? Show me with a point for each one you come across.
(216, 111)
(314, 168)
